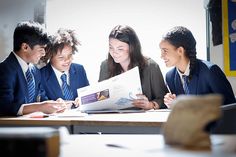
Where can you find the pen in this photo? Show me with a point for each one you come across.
(115, 146)
(168, 88)
(38, 99)
(73, 106)
(39, 116)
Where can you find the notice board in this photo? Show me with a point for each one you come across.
(229, 36)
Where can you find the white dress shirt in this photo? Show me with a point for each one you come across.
(24, 67)
(58, 76)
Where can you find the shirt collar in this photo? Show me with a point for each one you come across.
(23, 64)
(59, 73)
(186, 72)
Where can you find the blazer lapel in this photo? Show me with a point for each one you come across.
(52, 81)
(13, 60)
(23, 81)
(73, 80)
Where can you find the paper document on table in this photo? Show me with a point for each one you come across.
(71, 113)
(112, 94)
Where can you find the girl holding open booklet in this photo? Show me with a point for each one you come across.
(124, 54)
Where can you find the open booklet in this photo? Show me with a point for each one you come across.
(115, 93)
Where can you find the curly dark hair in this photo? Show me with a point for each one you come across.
(59, 40)
(180, 36)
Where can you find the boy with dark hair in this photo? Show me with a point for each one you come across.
(20, 80)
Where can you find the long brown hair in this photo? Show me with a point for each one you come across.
(126, 34)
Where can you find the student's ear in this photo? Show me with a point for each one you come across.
(24, 46)
(181, 51)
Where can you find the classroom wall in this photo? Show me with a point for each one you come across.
(93, 21)
(12, 12)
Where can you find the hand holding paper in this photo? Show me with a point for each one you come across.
(115, 93)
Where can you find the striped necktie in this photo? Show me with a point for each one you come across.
(185, 84)
(65, 88)
(30, 85)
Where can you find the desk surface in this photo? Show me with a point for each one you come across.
(140, 145)
(149, 119)
(50, 121)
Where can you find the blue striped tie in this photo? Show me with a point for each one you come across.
(65, 88)
(30, 85)
(185, 85)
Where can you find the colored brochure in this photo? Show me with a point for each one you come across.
(112, 94)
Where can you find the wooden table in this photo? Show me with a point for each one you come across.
(129, 123)
(140, 146)
(126, 123)
(54, 122)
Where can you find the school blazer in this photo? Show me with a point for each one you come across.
(207, 78)
(78, 79)
(13, 86)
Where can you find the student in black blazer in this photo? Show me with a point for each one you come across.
(178, 49)
(59, 62)
(17, 97)
(125, 53)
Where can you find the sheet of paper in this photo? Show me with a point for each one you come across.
(71, 113)
(114, 93)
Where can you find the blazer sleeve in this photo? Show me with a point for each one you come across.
(153, 84)
(219, 84)
(40, 93)
(103, 74)
(159, 88)
(170, 80)
(83, 75)
(11, 91)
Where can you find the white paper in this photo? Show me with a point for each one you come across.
(71, 113)
(112, 94)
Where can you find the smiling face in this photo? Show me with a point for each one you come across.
(34, 54)
(119, 51)
(62, 59)
(171, 55)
